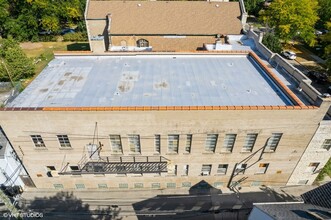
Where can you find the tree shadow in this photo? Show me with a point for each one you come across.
(78, 47)
(278, 197)
(64, 205)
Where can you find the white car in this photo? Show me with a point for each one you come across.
(289, 55)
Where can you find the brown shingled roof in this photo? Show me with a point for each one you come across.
(173, 17)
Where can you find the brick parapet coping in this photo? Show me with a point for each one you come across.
(299, 105)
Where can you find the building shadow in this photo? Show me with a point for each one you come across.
(78, 47)
(205, 202)
(64, 205)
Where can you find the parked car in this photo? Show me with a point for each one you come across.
(67, 31)
(289, 55)
(45, 32)
(318, 76)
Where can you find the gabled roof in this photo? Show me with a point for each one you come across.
(173, 17)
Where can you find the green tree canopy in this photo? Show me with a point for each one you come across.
(14, 64)
(324, 12)
(272, 42)
(292, 18)
(327, 51)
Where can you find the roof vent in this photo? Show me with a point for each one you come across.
(139, 5)
(217, 6)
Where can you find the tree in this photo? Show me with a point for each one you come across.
(292, 18)
(14, 64)
(324, 12)
(327, 51)
(253, 6)
(272, 42)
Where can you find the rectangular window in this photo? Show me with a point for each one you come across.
(249, 142)
(138, 185)
(116, 144)
(303, 182)
(326, 144)
(218, 184)
(134, 143)
(80, 186)
(74, 168)
(157, 143)
(229, 142)
(173, 141)
(102, 186)
(211, 142)
(186, 167)
(50, 171)
(172, 169)
(222, 168)
(186, 184)
(312, 167)
(188, 143)
(38, 141)
(123, 185)
(262, 168)
(58, 186)
(155, 185)
(205, 170)
(171, 185)
(256, 183)
(64, 141)
(273, 142)
(240, 168)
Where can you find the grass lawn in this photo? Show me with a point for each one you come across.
(42, 52)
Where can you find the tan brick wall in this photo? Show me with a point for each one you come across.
(297, 126)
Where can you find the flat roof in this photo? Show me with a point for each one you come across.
(152, 80)
(168, 17)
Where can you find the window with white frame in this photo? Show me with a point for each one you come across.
(240, 168)
(249, 142)
(134, 143)
(157, 143)
(222, 168)
(211, 142)
(64, 141)
(206, 169)
(172, 169)
(115, 142)
(173, 141)
(273, 142)
(312, 167)
(188, 143)
(38, 141)
(326, 144)
(186, 168)
(262, 168)
(229, 142)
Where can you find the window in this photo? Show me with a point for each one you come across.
(134, 143)
(273, 142)
(326, 144)
(303, 182)
(249, 142)
(138, 185)
(173, 141)
(74, 168)
(58, 186)
(262, 168)
(211, 142)
(80, 186)
(206, 168)
(142, 43)
(218, 184)
(186, 184)
(123, 185)
(155, 185)
(64, 141)
(50, 171)
(38, 141)
(172, 169)
(116, 144)
(256, 183)
(229, 142)
(188, 143)
(240, 168)
(157, 143)
(186, 167)
(222, 168)
(102, 186)
(312, 167)
(171, 185)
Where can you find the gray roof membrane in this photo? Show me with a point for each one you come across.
(151, 80)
